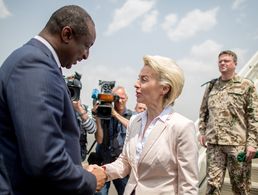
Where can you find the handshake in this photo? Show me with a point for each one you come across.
(99, 173)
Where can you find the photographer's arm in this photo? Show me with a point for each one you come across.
(87, 123)
(79, 108)
(120, 118)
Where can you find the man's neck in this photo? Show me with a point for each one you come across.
(226, 77)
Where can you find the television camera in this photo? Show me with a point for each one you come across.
(105, 99)
(74, 85)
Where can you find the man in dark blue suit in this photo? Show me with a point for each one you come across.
(39, 134)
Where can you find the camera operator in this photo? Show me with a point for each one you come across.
(110, 137)
(86, 123)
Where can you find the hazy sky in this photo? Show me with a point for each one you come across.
(192, 32)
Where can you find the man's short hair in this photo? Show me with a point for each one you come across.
(231, 53)
(70, 15)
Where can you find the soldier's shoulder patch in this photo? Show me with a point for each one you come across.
(240, 79)
(248, 80)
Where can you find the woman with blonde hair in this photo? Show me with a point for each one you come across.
(160, 151)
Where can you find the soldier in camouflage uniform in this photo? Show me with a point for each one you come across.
(228, 124)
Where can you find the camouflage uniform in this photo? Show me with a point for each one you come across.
(229, 120)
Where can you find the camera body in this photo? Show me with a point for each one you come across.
(105, 99)
(74, 85)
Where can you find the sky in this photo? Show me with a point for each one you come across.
(190, 32)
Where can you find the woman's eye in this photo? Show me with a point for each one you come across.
(144, 79)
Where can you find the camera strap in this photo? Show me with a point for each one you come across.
(211, 84)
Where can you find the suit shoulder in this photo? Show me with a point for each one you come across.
(180, 119)
(182, 126)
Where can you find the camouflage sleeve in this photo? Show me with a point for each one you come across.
(252, 116)
(203, 112)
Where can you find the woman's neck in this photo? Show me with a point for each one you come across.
(153, 112)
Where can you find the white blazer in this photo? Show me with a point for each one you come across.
(168, 164)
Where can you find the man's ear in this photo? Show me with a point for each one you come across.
(66, 34)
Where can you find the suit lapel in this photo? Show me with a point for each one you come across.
(152, 138)
(136, 128)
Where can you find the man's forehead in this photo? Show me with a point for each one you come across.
(123, 95)
(225, 55)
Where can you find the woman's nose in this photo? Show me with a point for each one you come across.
(136, 85)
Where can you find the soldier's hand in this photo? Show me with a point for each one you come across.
(202, 140)
(250, 153)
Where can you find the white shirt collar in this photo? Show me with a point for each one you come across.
(47, 44)
(162, 116)
(165, 113)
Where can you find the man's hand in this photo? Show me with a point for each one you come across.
(202, 140)
(250, 153)
(100, 175)
(114, 112)
(95, 107)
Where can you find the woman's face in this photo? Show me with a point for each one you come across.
(148, 89)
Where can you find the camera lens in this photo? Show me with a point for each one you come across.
(72, 93)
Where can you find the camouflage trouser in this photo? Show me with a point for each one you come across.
(220, 157)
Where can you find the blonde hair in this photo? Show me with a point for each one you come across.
(169, 73)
